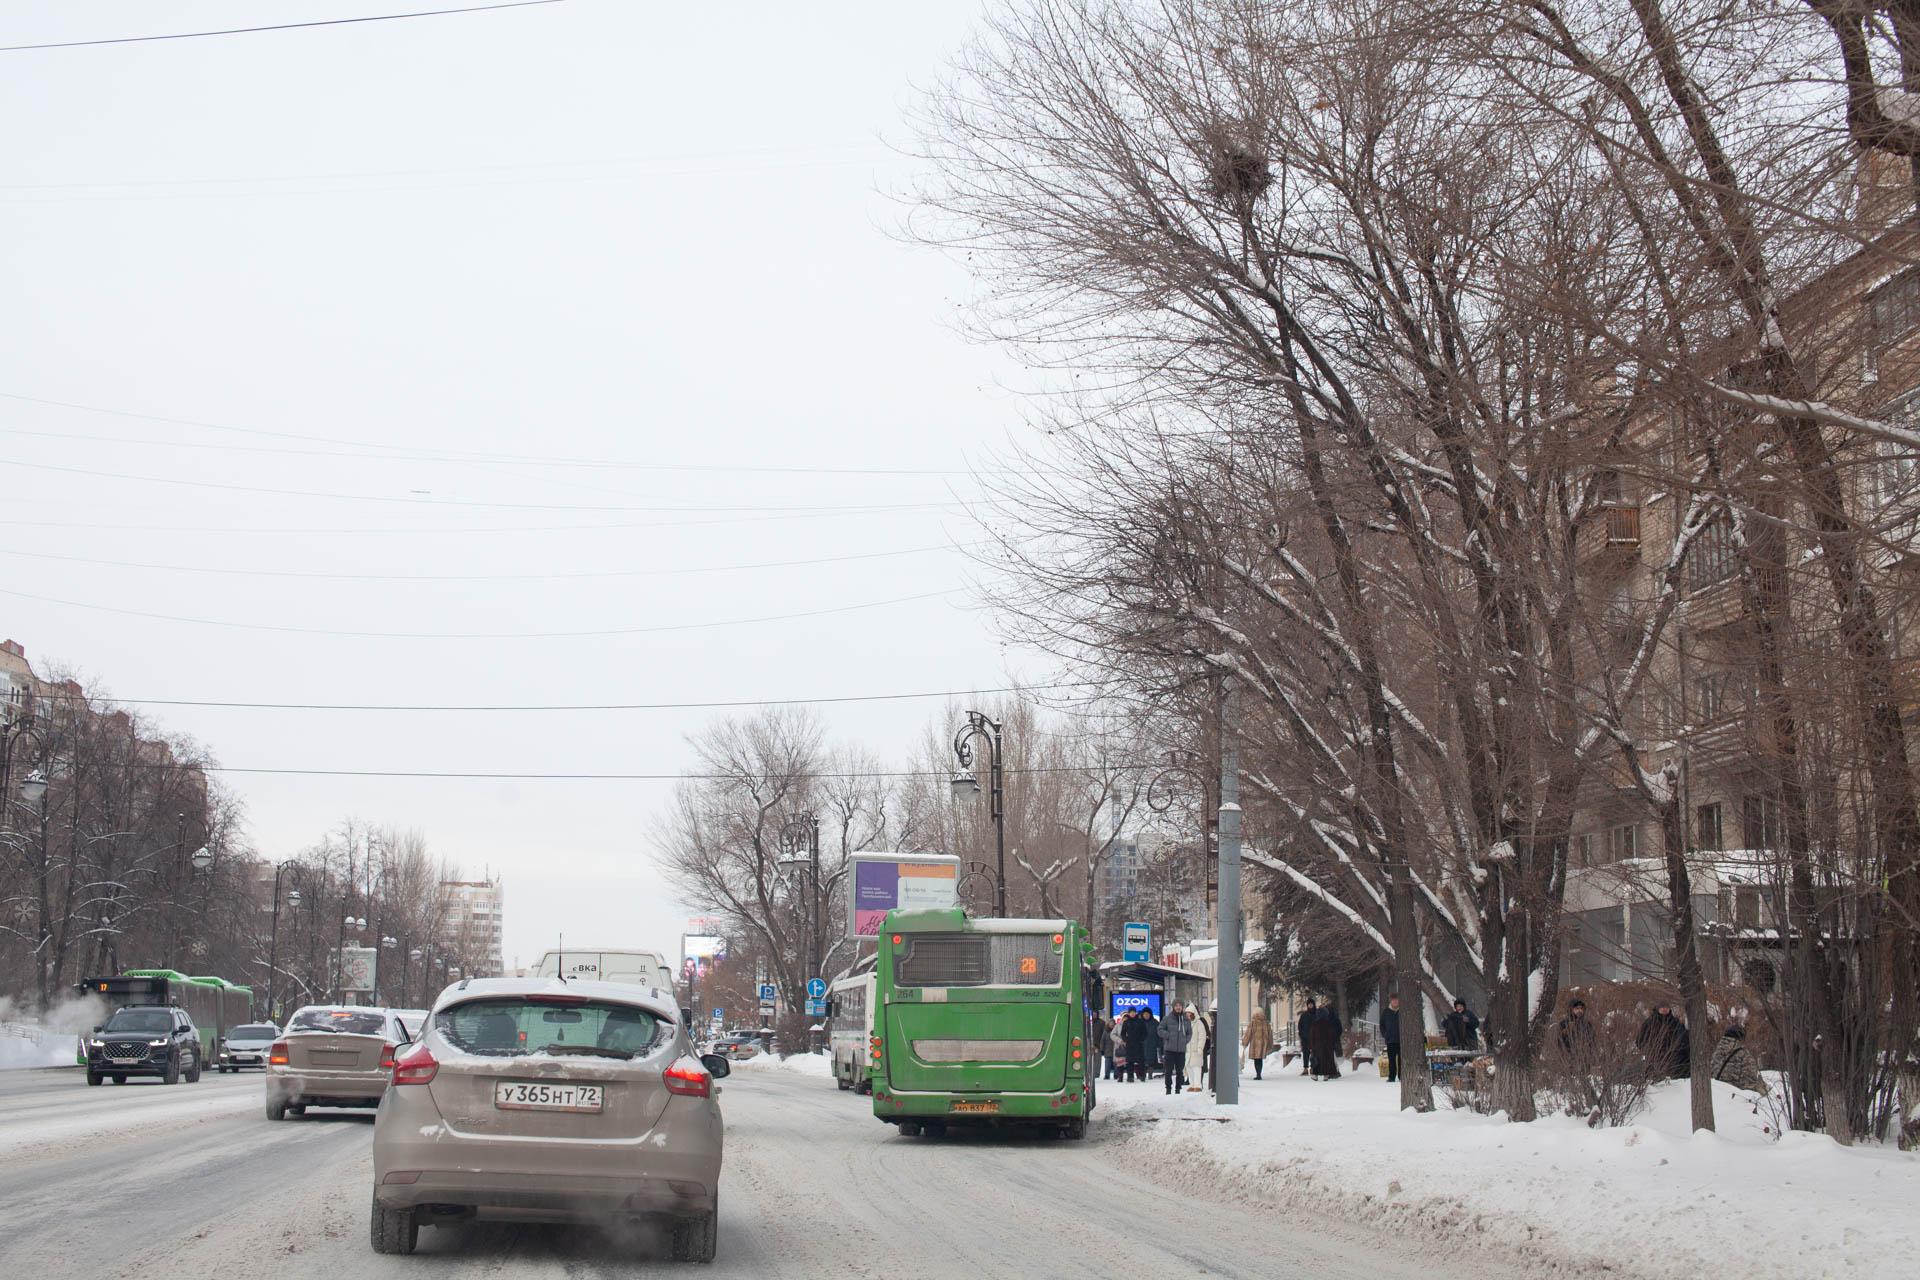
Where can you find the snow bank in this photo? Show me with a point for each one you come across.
(1649, 1200)
(805, 1064)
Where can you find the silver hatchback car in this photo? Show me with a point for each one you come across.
(544, 1100)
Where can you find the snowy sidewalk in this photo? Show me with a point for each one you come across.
(1647, 1200)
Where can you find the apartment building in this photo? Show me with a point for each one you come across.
(473, 911)
(1699, 709)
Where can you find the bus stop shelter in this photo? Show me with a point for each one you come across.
(1125, 976)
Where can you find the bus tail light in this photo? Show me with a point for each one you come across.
(1059, 938)
(416, 1066)
(688, 1079)
(277, 1055)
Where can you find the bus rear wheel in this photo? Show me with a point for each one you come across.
(909, 1129)
(1075, 1128)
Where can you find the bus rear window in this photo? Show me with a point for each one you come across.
(978, 960)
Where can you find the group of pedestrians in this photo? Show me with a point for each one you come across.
(1176, 1049)
(1319, 1028)
(1666, 1044)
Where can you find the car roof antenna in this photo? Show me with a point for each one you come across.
(560, 962)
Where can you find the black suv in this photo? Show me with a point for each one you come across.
(144, 1040)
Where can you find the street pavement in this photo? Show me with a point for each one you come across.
(194, 1180)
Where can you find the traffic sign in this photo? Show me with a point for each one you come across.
(719, 1015)
(768, 993)
(816, 988)
(1138, 944)
(816, 1008)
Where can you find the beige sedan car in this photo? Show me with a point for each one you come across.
(539, 1099)
(332, 1056)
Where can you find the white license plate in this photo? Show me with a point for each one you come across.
(530, 1095)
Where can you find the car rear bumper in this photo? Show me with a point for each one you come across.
(348, 1088)
(555, 1196)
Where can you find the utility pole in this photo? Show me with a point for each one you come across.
(1226, 1069)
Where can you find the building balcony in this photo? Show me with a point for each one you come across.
(1609, 536)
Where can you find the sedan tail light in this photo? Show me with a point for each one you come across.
(688, 1079)
(386, 1057)
(277, 1056)
(416, 1066)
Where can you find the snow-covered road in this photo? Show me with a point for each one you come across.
(194, 1179)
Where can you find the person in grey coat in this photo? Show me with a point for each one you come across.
(1175, 1032)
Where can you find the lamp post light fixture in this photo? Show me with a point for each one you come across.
(202, 858)
(983, 728)
(33, 787)
(273, 947)
(800, 845)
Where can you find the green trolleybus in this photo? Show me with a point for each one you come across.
(214, 1004)
(981, 1022)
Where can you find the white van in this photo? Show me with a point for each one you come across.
(850, 1015)
(607, 964)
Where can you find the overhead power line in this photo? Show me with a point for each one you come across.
(574, 777)
(481, 635)
(409, 453)
(464, 504)
(278, 26)
(316, 575)
(719, 705)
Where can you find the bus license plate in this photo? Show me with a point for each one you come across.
(986, 1107)
(528, 1095)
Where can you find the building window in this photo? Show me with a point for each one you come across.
(1587, 850)
(1760, 821)
(1709, 697)
(1711, 558)
(1623, 842)
(1894, 307)
(1707, 826)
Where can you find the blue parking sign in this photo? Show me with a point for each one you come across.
(768, 992)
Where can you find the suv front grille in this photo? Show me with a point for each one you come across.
(126, 1052)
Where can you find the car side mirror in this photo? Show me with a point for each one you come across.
(97, 1030)
(717, 1067)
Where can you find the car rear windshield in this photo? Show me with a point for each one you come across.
(350, 1022)
(261, 1032)
(512, 1026)
(141, 1020)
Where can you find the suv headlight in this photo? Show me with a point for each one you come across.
(158, 1044)
(96, 1044)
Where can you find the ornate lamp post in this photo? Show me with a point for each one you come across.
(800, 844)
(982, 728)
(273, 945)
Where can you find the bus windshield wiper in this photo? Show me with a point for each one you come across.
(590, 1049)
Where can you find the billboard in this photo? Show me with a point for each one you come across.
(1126, 1001)
(359, 966)
(883, 882)
(701, 947)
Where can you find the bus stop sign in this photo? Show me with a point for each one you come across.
(1138, 941)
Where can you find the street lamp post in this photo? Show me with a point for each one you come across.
(406, 967)
(798, 835)
(983, 728)
(340, 956)
(273, 945)
(387, 943)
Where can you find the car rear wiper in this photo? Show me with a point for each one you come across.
(593, 1050)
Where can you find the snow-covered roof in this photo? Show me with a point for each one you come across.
(653, 999)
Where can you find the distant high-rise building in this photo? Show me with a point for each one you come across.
(473, 911)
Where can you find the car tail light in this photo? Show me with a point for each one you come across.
(416, 1066)
(277, 1056)
(386, 1058)
(688, 1079)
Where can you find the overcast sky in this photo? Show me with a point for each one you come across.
(312, 287)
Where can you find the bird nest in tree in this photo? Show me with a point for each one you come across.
(1238, 172)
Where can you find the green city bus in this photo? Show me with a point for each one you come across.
(982, 1022)
(214, 1004)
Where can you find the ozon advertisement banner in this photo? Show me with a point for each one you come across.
(883, 882)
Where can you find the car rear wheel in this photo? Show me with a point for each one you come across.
(397, 1230)
(298, 1108)
(697, 1239)
(276, 1109)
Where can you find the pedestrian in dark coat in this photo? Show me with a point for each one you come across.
(1323, 1044)
(1390, 1032)
(1462, 1027)
(1175, 1032)
(1102, 1041)
(1152, 1043)
(1133, 1041)
(1663, 1038)
(1301, 1024)
(1576, 1035)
